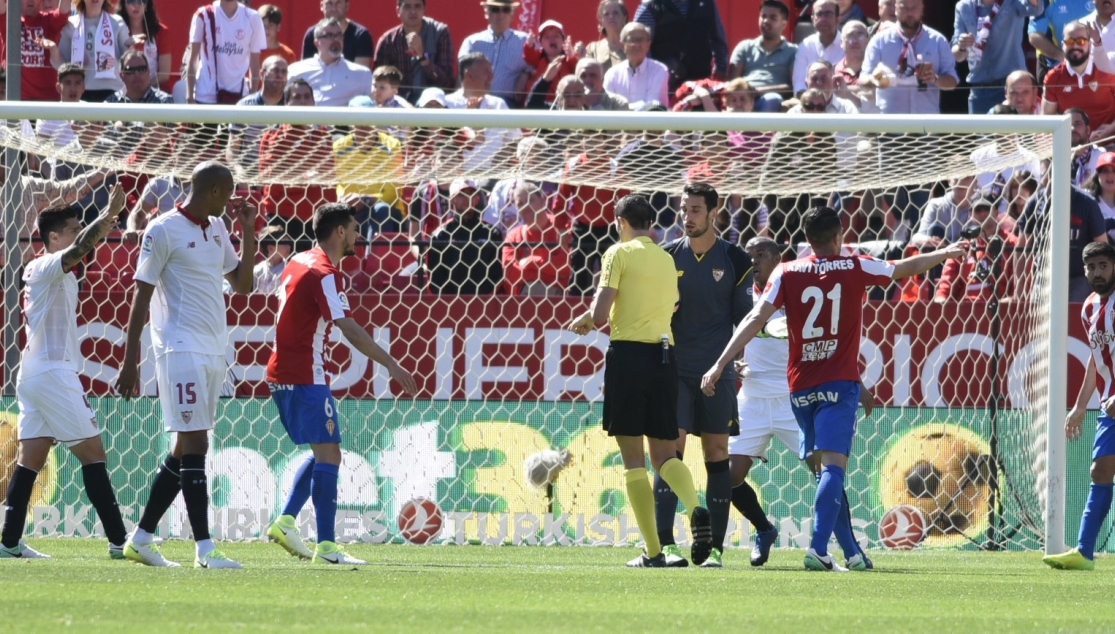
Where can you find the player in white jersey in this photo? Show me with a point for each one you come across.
(52, 404)
(1098, 315)
(765, 413)
(185, 255)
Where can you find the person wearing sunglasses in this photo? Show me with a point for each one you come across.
(135, 71)
(358, 46)
(1077, 83)
(503, 46)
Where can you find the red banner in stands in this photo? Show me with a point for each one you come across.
(515, 348)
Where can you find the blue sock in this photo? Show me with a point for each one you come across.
(845, 536)
(1095, 511)
(826, 508)
(300, 492)
(324, 492)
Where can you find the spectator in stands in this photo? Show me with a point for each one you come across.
(791, 155)
(590, 210)
(1005, 149)
(141, 18)
(824, 44)
(1086, 225)
(591, 74)
(767, 62)
(1044, 33)
(296, 154)
(987, 271)
(276, 247)
(1020, 188)
(549, 50)
(242, 151)
(485, 147)
(221, 58)
(368, 160)
(464, 253)
(569, 93)
(535, 262)
(822, 76)
(159, 195)
(358, 45)
(38, 194)
(335, 80)
(989, 36)
(70, 87)
(944, 218)
(1085, 155)
(95, 39)
(385, 88)
(688, 37)
(503, 47)
(909, 65)
(887, 17)
(1102, 188)
(536, 161)
(638, 79)
(612, 16)
(421, 48)
(1077, 83)
(654, 159)
(1022, 93)
(137, 79)
(849, 11)
(272, 18)
(39, 79)
(1102, 32)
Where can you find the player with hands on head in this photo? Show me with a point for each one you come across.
(52, 403)
(823, 297)
(1098, 315)
(185, 256)
(311, 302)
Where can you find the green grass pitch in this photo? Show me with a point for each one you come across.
(484, 589)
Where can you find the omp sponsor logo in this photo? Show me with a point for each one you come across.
(818, 350)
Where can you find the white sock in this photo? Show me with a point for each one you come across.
(142, 537)
(204, 547)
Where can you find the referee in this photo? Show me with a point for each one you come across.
(636, 297)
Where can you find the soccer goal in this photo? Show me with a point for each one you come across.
(969, 366)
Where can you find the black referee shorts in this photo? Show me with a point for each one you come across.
(716, 414)
(640, 391)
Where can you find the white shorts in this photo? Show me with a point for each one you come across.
(189, 387)
(53, 405)
(761, 419)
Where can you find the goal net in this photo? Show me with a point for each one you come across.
(961, 361)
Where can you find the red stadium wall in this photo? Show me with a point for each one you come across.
(515, 349)
(463, 16)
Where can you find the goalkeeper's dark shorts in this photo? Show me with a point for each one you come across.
(699, 413)
(640, 391)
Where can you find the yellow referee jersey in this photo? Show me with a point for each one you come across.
(646, 284)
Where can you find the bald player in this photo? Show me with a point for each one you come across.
(185, 257)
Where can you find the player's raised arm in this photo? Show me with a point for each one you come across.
(89, 237)
(924, 261)
(745, 332)
(362, 341)
(242, 277)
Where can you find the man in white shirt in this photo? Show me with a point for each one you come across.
(638, 79)
(824, 44)
(476, 83)
(503, 47)
(52, 404)
(218, 65)
(335, 80)
(1102, 31)
(184, 256)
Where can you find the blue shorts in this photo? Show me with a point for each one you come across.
(1105, 437)
(827, 417)
(308, 412)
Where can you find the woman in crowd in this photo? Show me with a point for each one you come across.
(613, 16)
(142, 20)
(96, 39)
(1102, 187)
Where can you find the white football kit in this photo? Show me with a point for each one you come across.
(52, 401)
(186, 262)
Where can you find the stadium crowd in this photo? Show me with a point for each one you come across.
(546, 236)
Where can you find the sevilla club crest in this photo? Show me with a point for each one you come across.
(717, 274)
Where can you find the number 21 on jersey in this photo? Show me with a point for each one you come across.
(816, 297)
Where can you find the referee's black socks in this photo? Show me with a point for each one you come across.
(98, 487)
(19, 497)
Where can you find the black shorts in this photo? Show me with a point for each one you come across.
(640, 391)
(716, 414)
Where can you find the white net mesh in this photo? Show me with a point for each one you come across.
(476, 310)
